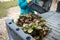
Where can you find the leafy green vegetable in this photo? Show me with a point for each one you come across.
(33, 25)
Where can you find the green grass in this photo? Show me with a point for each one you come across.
(5, 5)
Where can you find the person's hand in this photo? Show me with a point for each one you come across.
(29, 1)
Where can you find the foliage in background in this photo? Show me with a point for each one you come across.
(5, 5)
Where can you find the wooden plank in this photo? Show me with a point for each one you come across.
(54, 5)
(53, 22)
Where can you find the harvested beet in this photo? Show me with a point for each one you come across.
(33, 25)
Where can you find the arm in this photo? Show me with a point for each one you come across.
(22, 4)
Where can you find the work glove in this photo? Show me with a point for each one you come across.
(28, 1)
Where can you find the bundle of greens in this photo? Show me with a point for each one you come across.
(33, 25)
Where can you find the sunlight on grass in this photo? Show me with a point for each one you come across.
(5, 5)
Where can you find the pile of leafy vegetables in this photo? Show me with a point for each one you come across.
(33, 25)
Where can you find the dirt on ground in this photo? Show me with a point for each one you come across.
(13, 13)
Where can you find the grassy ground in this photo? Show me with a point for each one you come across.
(5, 5)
